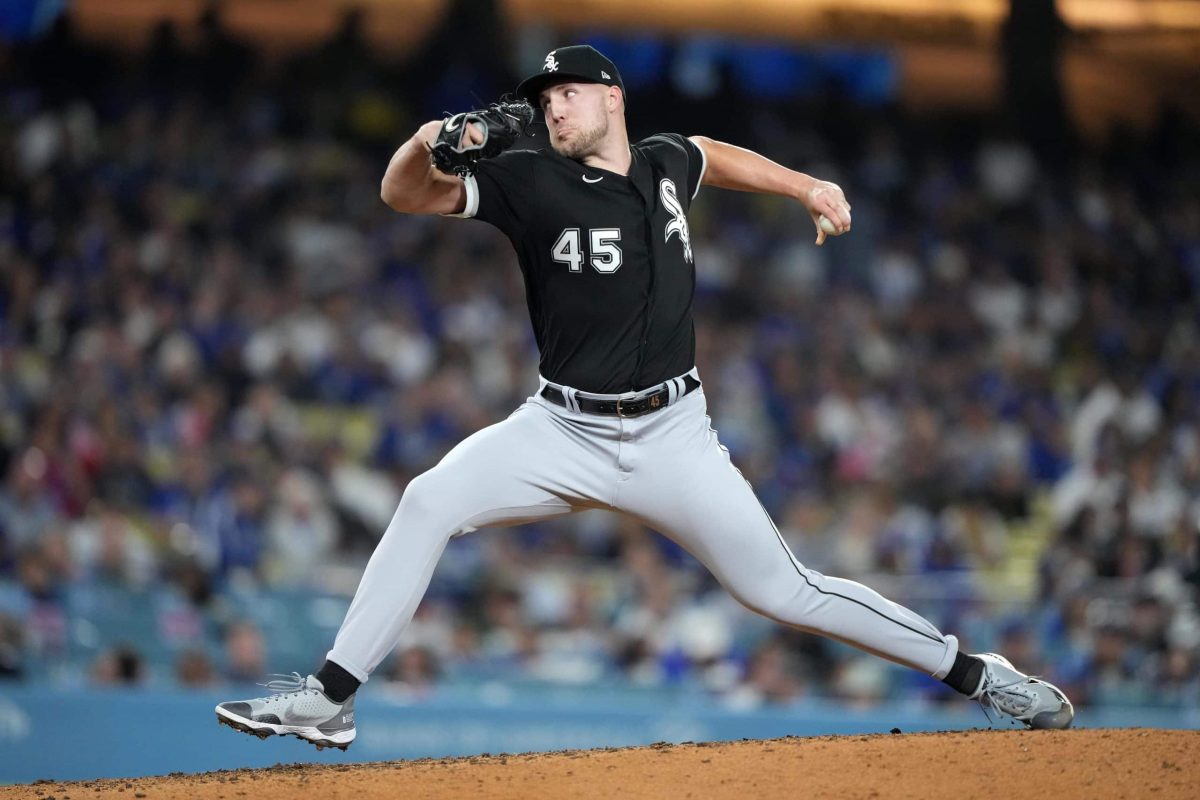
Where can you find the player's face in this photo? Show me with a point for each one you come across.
(577, 117)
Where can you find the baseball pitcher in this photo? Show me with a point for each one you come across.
(618, 419)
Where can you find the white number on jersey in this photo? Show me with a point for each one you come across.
(566, 249)
(605, 254)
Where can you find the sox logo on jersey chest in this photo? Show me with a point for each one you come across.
(670, 201)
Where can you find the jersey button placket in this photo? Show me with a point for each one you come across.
(648, 228)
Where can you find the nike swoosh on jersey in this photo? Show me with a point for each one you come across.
(586, 179)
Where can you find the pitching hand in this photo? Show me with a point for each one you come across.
(827, 199)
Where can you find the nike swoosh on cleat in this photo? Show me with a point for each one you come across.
(586, 179)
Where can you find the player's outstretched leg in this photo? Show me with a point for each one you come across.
(524, 468)
(690, 491)
(296, 707)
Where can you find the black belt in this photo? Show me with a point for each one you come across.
(633, 407)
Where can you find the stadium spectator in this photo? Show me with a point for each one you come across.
(245, 653)
(122, 665)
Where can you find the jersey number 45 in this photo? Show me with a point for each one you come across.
(603, 249)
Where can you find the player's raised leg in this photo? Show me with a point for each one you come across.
(684, 485)
(530, 466)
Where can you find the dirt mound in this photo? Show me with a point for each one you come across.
(1131, 763)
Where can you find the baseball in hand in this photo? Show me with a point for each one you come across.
(828, 226)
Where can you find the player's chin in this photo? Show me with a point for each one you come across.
(567, 149)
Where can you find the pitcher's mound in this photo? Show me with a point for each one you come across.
(1136, 763)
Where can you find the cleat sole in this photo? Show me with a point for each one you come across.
(267, 730)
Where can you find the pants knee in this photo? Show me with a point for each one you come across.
(423, 507)
(763, 603)
(790, 604)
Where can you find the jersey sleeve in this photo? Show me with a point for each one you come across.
(689, 154)
(501, 192)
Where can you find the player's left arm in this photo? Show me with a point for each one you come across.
(730, 167)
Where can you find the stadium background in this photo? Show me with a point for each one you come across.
(222, 358)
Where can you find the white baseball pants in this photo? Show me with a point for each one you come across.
(666, 469)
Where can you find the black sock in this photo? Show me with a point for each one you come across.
(338, 683)
(965, 675)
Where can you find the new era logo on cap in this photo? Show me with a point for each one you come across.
(605, 75)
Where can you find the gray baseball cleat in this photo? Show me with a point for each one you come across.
(297, 707)
(1028, 700)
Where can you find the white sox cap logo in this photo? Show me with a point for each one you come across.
(551, 64)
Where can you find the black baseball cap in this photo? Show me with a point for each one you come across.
(580, 62)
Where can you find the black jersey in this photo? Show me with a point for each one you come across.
(607, 258)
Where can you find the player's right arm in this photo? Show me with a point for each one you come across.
(412, 185)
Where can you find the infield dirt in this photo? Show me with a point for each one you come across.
(1130, 763)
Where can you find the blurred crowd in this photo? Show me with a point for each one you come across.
(222, 358)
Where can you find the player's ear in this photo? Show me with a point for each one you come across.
(615, 100)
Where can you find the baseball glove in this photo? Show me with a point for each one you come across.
(502, 124)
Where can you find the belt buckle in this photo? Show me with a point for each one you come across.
(653, 403)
